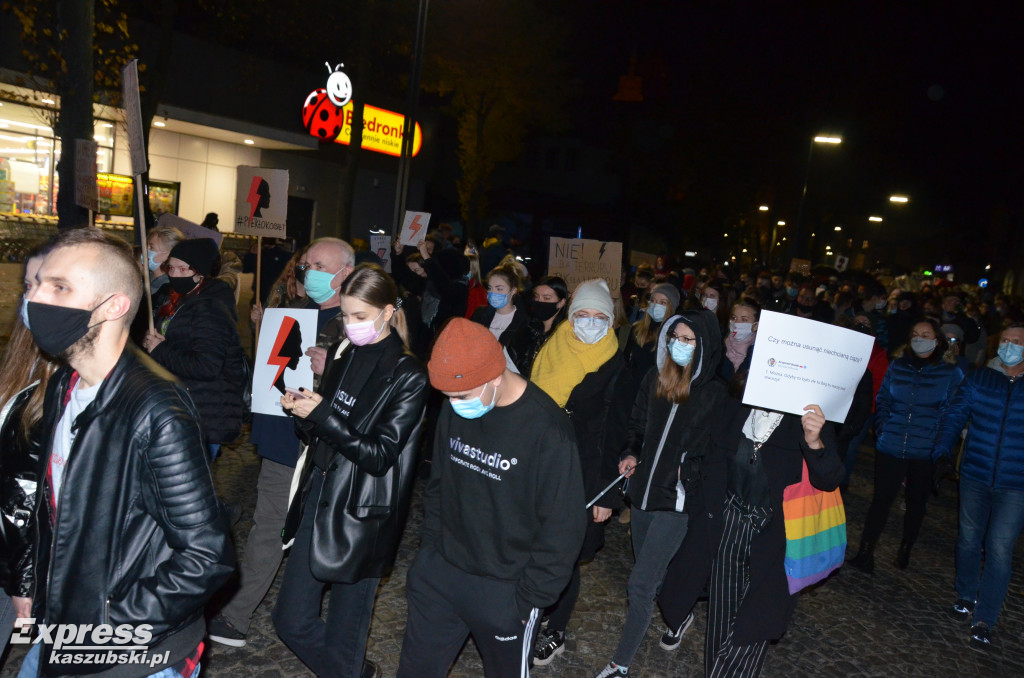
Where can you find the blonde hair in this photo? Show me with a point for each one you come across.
(372, 285)
(674, 381)
(643, 330)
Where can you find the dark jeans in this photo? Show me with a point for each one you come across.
(335, 646)
(889, 475)
(990, 521)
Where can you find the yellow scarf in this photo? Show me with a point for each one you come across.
(564, 360)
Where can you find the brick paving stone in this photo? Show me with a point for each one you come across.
(891, 623)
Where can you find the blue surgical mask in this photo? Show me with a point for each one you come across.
(318, 285)
(681, 351)
(153, 265)
(590, 330)
(475, 408)
(497, 300)
(1011, 354)
(24, 311)
(656, 311)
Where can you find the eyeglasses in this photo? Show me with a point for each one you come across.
(688, 340)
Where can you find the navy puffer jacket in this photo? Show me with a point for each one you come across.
(994, 453)
(911, 406)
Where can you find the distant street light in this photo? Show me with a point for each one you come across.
(820, 139)
(899, 198)
(781, 223)
(763, 208)
(876, 219)
(839, 228)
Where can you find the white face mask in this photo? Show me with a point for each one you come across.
(590, 330)
(741, 331)
(711, 304)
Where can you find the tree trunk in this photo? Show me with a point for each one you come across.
(75, 87)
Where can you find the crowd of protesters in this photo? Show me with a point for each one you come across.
(522, 401)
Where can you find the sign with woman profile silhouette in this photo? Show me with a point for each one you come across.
(281, 361)
(261, 203)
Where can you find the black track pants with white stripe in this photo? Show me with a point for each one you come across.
(730, 579)
(447, 604)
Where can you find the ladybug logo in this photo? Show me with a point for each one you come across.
(321, 117)
(339, 87)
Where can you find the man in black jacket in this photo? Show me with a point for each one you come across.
(129, 533)
(504, 517)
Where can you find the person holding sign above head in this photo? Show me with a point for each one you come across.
(581, 369)
(668, 437)
(910, 425)
(196, 339)
(361, 427)
(737, 535)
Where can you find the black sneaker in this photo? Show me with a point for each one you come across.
(961, 611)
(221, 631)
(981, 636)
(550, 644)
(670, 639)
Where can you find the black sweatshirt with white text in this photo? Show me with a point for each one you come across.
(505, 498)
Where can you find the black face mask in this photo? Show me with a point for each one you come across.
(57, 328)
(865, 329)
(806, 308)
(183, 285)
(543, 310)
(300, 275)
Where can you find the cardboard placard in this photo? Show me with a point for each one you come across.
(575, 260)
(86, 194)
(381, 246)
(285, 336)
(133, 116)
(414, 228)
(261, 201)
(191, 230)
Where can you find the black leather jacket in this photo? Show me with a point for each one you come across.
(19, 457)
(138, 535)
(367, 486)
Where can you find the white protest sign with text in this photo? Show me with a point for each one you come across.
(261, 201)
(281, 362)
(575, 260)
(414, 228)
(799, 362)
(381, 246)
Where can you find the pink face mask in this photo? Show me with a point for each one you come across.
(364, 333)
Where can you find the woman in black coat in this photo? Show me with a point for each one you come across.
(361, 428)
(506, 318)
(196, 339)
(669, 432)
(737, 534)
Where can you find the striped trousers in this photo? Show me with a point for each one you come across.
(730, 580)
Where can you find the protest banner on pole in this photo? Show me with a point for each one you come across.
(381, 246)
(85, 175)
(799, 362)
(137, 153)
(414, 228)
(281, 360)
(261, 201)
(575, 260)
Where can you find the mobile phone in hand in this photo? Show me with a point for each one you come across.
(295, 393)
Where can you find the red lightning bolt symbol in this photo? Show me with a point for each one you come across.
(275, 355)
(254, 196)
(415, 226)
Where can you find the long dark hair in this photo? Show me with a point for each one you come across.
(940, 337)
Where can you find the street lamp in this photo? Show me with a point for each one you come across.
(763, 208)
(820, 139)
(875, 219)
(901, 199)
(839, 228)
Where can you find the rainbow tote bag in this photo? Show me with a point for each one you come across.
(815, 533)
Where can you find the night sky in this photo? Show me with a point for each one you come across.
(927, 98)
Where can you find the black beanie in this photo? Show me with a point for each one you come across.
(199, 254)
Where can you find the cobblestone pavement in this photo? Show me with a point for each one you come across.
(890, 624)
